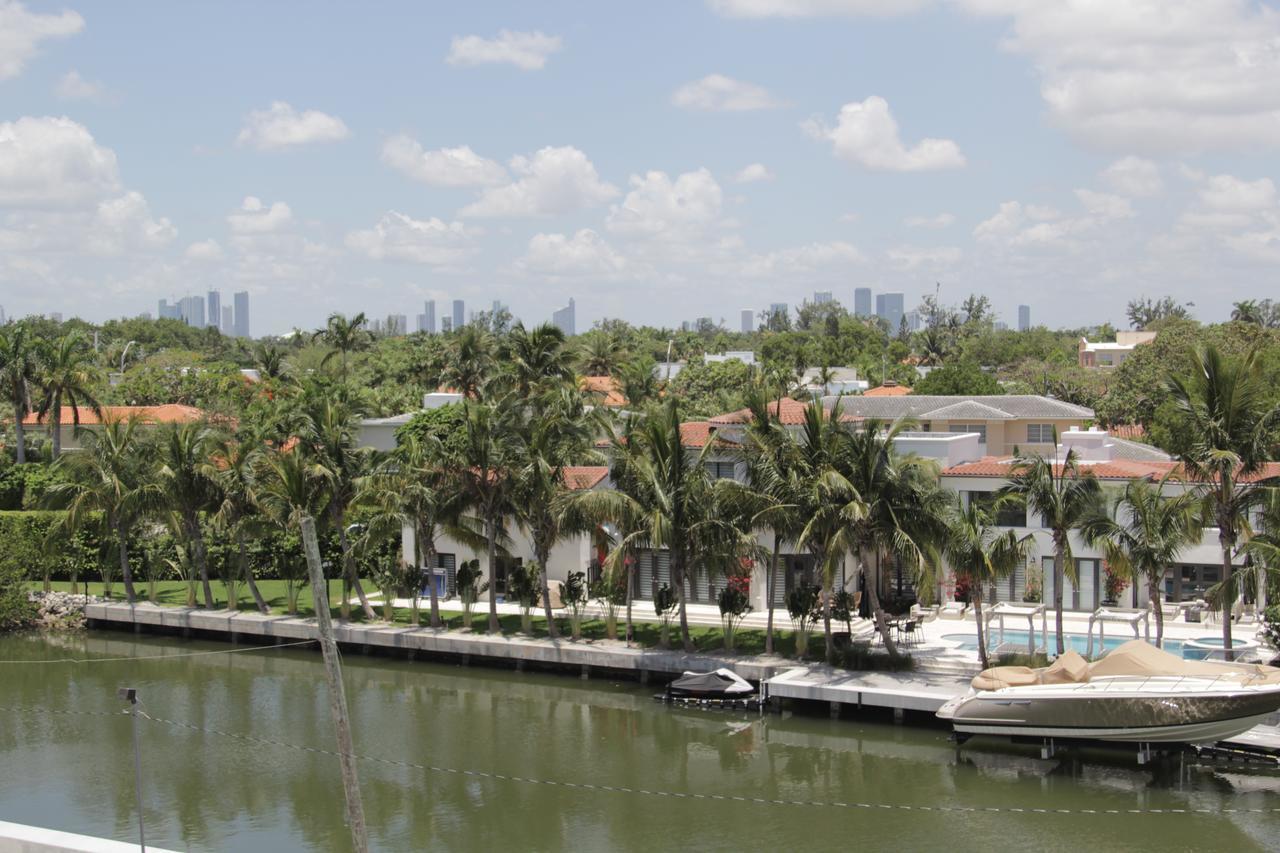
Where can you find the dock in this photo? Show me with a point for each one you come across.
(899, 691)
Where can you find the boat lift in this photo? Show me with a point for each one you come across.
(1132, 618)
(1022, 611)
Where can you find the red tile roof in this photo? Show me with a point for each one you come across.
(789, 412)
(606, 387)
(1129, 431)
(1116, 469)
(888, 390)
(581, 477)
(695, 433)
(171, 413)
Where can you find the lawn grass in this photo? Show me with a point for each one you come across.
(171, 593)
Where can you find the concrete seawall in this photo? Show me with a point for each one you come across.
(20, 838)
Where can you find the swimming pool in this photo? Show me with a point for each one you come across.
(1078, 642)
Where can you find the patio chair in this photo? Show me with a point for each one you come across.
(909, 632)
(953, 610)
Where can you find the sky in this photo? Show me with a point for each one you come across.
(656, 161)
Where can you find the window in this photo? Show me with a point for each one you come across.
(720, 470)
(1039, 433)
(1006, 514)
(980, 429)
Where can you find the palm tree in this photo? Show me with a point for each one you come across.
(977, 550)
(638, 382)
(67, 375)
(1065, 496)
(600, 354)
(290, 487)
(1225, 404)
(1144, 534)
(19, 366)
(887, 505)
(772, 495)
(270, 360)
(470, 361)
(106, 478)
(328, 437)
(1247, 311)
(183, 476)
(232, 466)
(555, 434)
(537, 358)
(485, 471)
(345, 336)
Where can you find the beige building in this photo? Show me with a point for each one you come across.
(1112, 353)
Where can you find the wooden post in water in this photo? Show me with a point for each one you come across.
(337, 696)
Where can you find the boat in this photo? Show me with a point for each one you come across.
(720, 688)
(1137, 693)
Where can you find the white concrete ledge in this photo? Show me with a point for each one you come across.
(19, 838)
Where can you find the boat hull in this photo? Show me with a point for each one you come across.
(1164, 718)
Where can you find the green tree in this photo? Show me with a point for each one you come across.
(537, 358)
(470, 362)
(1143, 312)
(1233, 432)
(183, 453)
(290, 487)
(1144, 534)
(1065, 496)
(19, 367)
(67, 375)
(600, 354)
(963, 378)
(344, 336)
(977, 551)
(232, 466)
(107, 481)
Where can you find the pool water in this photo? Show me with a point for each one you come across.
(1077, 642)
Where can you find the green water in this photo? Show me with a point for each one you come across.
(209, 791)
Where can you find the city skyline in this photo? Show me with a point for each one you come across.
(534, 176)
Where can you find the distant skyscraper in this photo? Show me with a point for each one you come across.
(779, 308)
(748, 320)
(914, 321)
(821, 297)
(862, 301)
(1024, 318)
(228, 320)
(191, 310)
(428, 323)
(446, 325)
(214, 313)
(397, 325)
(459, 314)
(165, 311)
(889, 307)
(241, 300)
(564, 319)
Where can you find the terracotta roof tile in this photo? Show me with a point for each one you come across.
(581, 477)
(789, 412)
(606, 387)
(695, 433)
(1127, 431)
(171, 413)
(887, 391)
(1116, 469)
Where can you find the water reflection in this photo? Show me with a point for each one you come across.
(209, 791)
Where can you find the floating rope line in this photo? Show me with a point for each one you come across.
(681, 795)
(165, 656)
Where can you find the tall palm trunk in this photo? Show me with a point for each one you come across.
(828, 581)
(126, 573)
(20, 435)
(877, 612)
(678, 570)
(630, 566)
(1059, 576)
(491, 533)
(55, 423)
(977, 612)
(1228, 589)
(201, 557)
(352, 578)
(542, 554)
(771, 590)
(429, 557)
(1153, 592)
(247, 573)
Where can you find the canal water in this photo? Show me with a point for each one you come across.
(551, 763)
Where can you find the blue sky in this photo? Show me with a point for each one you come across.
(351, 157)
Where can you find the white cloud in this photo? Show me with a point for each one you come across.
(754, 172)
(254, 217)
(867, 134)
(552, 181)
(1134, 177)
(53, 162)
(443, 167)
(1153, 75)
(583, 253)
(204, 250)
(942, 220)
(1229, 193)
(125, 223)
(812, 258)
(73, 87)
(931, 257)
(396, 237)
(718, 93)
(658, 206)
(815, 8)
(1105, 206)
(526, 51)
(22, 31)
(281, 126)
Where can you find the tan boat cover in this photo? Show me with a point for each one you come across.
(1137, 657)
(1069, 668)
(1004, 676)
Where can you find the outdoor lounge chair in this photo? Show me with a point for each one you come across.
(953, 610)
